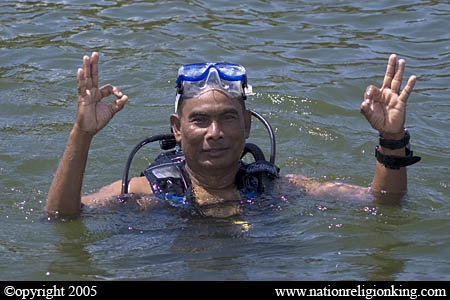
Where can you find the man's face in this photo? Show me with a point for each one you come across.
(212, 130)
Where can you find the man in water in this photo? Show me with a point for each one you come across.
(211, 123)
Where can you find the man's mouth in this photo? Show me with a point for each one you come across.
(216, 152)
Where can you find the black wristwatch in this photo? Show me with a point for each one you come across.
(396, 162)
(395, 144)
(393, 161)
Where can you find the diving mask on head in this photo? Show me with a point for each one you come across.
(195, 79)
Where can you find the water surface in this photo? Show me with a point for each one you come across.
(309, 63)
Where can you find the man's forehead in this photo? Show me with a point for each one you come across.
(211, 100)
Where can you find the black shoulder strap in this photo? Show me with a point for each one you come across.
(167, 175)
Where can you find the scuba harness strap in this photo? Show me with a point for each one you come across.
(170, 181)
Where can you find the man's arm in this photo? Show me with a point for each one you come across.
(137, 185)
(327, 190)
(64, 196)
(385, 109)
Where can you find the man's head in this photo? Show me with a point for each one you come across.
(211, 122)
(212, 129)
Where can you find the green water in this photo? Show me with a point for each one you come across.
(309, 63)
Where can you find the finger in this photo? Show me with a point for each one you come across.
(390, 71)
(365, 108)
(105, 91)
(408, 89)
(108, 90)
(94, 69)
(81, 83)
(373, 94)
(118, 104)
(397, 81)
(87, 71)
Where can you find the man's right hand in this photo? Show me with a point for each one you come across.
(93, 114)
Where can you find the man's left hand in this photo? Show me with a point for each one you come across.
(385, 108)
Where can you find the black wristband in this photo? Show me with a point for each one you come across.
(395, 144)
(396, 162)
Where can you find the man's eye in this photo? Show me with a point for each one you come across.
(230, 117)
(199, 120)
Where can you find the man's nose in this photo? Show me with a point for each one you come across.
(214, 131)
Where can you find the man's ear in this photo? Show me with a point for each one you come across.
(248, 123)
(175, 123)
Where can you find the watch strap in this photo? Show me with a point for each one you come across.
(396, 162)
(395, 144)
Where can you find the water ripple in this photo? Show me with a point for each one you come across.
(309, 63)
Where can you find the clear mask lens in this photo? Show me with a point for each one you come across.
(213, 81)
(195, 79)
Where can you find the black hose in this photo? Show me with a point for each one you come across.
(126, 170)
(168, 140)
(271, 134)
(254, 150)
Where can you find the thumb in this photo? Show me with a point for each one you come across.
(117, 105)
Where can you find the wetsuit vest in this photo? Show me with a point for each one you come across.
(170, 181)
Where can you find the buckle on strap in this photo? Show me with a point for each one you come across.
(396, 162)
